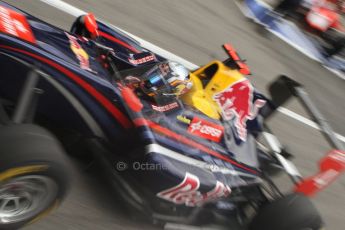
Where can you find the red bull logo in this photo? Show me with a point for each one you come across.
(236, 102)
(79, 52)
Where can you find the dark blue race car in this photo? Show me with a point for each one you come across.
(178, 146)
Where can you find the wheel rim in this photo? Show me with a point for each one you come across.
(25, 197)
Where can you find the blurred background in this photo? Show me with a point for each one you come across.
(316, 28)
(302, 39)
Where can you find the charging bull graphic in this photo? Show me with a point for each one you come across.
(79, 52)
(236, 102)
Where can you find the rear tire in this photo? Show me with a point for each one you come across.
(292, 212)
(33, 174)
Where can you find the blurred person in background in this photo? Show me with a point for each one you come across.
(287, 7)
(283, 8)
(334, 31)
(337, 47)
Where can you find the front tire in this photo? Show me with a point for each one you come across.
(292, 212)
(33, 174)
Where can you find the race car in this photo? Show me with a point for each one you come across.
(180, 147)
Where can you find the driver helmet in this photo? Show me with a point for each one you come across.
(167, 79)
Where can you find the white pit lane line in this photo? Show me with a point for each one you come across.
(72, 10)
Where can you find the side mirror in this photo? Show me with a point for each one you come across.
(86, 26)
(91, 24)
(234, 61)
(282, 90)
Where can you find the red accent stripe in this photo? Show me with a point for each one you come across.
(115, 112)
(114, 39)
(182, 139)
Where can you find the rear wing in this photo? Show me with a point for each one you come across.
(333, 164)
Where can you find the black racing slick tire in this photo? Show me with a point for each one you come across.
(34, 174)
(292, 212)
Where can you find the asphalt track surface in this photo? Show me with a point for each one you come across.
(195, 30)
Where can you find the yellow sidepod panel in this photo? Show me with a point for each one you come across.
(198, 98)
(202, 98)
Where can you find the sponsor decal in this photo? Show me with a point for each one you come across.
(15, 24)
(79, 52)
(183, 119)
(142, 60)
(236, 102)
(165, 108)
(188, 192)
(206, 129)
